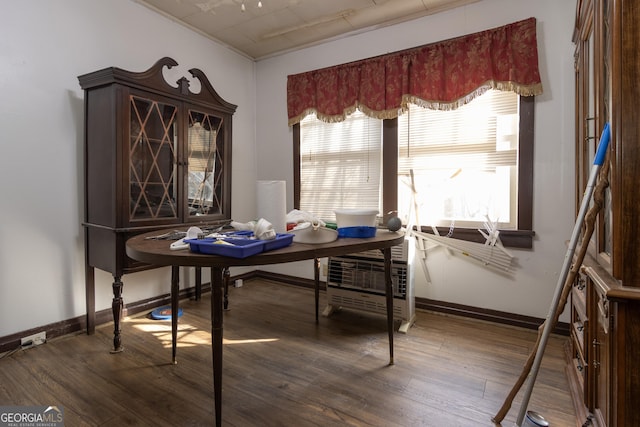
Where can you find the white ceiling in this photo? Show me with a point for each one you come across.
(283, 25)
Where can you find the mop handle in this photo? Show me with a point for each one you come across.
(548, 326)
(601, 153)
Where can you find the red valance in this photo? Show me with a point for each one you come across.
(443, 75)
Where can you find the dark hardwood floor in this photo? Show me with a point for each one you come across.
(281, 369)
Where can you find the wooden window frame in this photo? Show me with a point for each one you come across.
(520, 238)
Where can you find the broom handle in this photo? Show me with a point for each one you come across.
(589, 223)
(586, 200)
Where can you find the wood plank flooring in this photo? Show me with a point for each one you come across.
(281, 369)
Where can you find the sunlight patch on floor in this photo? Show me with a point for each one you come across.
(188, 336)
(249, 341)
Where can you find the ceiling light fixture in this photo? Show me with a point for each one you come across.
(244, 8)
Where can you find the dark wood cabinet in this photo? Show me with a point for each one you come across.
(604, 348)
(157, 156)
(579, 332)
(590, 369)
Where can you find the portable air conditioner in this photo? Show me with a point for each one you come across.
(357, 282)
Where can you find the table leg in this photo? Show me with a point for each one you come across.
(116, 309)
(198, 294)
(316, 278)
(227, 279)
(389, 295)
(216, 338)
(175, 289)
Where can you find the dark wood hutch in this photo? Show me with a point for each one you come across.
(156, 157)
(604, 349)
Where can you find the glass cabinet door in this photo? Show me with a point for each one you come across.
(205, 160)
(152, 160)
(593, 76)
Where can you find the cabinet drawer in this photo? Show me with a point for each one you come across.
(579, 299)
(577, 334)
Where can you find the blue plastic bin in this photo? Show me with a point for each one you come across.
(281, 241)
(358, 232)
(242, 245)
(239, 248)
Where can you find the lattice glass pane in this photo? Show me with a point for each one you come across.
(152, 164)
(205, 159)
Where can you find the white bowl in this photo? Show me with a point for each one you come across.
(307, 232)
(356, 217)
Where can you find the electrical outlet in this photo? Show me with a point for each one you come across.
(33, 340)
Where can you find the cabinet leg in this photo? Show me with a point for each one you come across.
(116, 308)
(90, 290)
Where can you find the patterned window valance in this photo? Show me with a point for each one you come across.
(443, 75)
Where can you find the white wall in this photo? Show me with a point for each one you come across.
(44, 46)
(529, 291)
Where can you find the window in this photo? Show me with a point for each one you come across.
(465, 167)
(340, 165)
(463, 163)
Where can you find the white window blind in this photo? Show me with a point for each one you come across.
(340, 165)
(464, 163)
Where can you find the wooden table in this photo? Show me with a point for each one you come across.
(157, 252)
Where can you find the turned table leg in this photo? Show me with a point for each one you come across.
(116, 308)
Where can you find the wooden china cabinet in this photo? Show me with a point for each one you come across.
(604, 350)
(157, 156)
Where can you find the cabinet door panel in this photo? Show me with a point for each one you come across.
(152, 159)
(206, 161)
